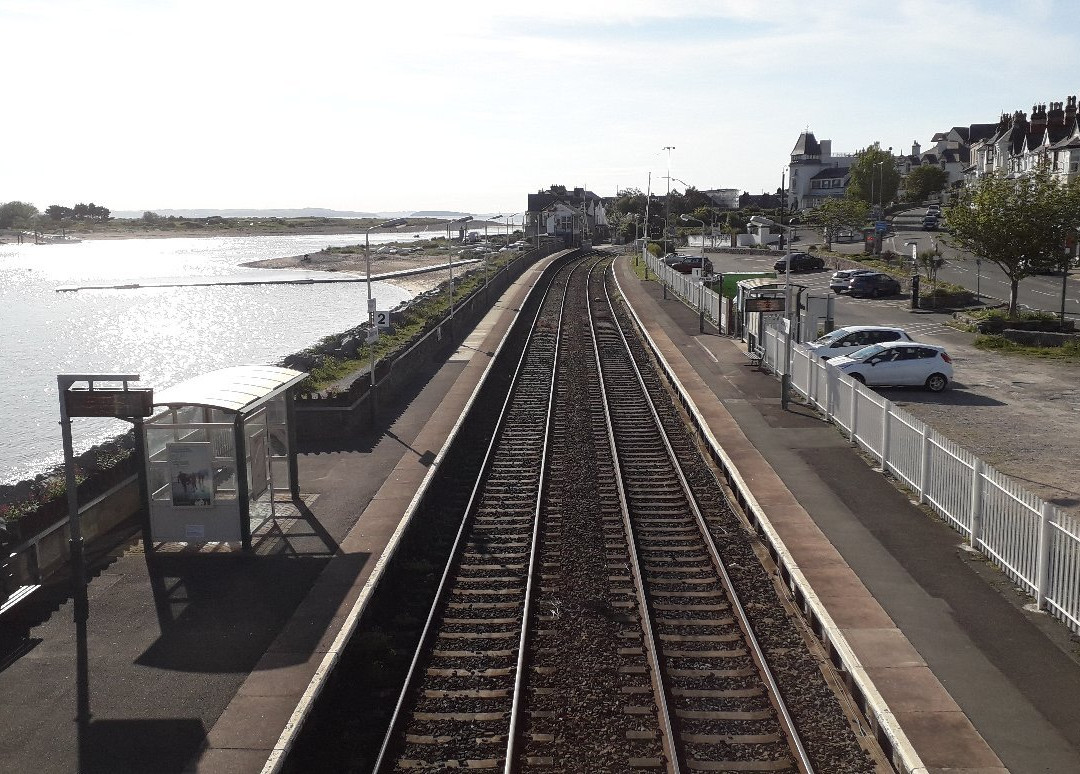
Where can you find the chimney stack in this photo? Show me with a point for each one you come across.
(1070, 110)
(1056, 115)
(1038, 118)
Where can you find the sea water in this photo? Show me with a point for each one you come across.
(164, 334)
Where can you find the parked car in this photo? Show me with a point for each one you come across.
(840, 279)
(672, 258)
(848, 339)
(800, 262)
(898, 363)
(873, 284)
(688, 263)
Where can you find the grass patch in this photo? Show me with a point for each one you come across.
(1068, 352)
(421, 314)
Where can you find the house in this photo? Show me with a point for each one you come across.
(577, 217)
(759, 231)
(815, 173)
(1019, 144)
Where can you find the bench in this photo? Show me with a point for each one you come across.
(755, 356)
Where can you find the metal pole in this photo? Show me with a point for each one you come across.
(667, 198)
(785, 376)
(80, 602)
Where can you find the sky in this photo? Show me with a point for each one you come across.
(470, 106)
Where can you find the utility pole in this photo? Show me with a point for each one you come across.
(667, 198)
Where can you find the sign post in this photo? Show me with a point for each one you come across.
(90, 402)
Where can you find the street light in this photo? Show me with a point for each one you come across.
(701, 289)
(373, 332)
(686, 219)
(450, 258)
(667, 199)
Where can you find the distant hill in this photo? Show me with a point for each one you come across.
(306, 212)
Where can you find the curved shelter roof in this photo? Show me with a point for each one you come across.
(236, 389)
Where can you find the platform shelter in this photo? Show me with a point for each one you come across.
(219, 454)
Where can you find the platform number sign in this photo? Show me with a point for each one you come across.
(382, 318)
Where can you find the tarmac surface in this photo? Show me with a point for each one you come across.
(198, 657)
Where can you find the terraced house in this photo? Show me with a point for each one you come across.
(1019, 143)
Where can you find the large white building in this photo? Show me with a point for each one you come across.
(815, 174)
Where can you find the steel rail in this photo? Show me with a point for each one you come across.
(648, 632)
(788, 724)
(526, 613)
(447, 574)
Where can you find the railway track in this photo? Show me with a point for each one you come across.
(586, 620)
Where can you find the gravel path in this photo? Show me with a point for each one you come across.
(1019, 414)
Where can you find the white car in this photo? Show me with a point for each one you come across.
(898, 364)
(852, 337)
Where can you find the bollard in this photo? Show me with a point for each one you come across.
(915, 291)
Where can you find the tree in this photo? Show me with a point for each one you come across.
(929, 261)
(923, 181)
(839, 215)
(626, 213)
(13, 214)
(58, 212)
(1020, 224)
(874, 178)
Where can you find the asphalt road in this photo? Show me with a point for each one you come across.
(1040, 292)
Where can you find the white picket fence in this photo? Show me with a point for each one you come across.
(1031, 541)
(691, 290)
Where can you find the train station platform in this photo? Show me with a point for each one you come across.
(202, 660)
(974, 680)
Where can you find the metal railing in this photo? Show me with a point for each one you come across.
(691, 290)
(1033, 543)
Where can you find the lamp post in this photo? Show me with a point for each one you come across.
(783, 203)
(373, 332)
(450, 258)
(701, 289)
(667, 198)
(687, 219)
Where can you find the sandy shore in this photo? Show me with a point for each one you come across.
(355, 263)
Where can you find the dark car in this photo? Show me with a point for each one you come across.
(800, 262)
(842, 279)
(688, 263)
(873, 285)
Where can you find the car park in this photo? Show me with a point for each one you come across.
(848, 339)
(800, 262)
(873, 284)
(898, 364)
(840, 279)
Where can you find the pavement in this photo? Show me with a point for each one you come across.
(197, 658)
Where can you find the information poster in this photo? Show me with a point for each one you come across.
(191, 472)
(259, 478)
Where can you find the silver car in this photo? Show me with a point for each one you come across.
(898, 364)
(845, 340)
